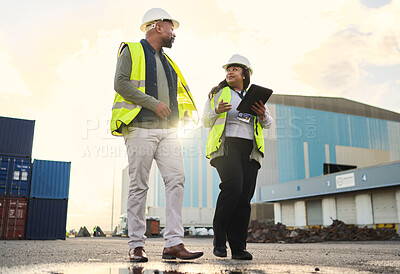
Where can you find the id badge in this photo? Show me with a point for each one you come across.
(244, 117)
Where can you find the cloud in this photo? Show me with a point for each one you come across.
(309, 47)
(365, 37)
(334, 67)
(375, 4)
(274, 35)
(315, 48)
(12, 81)
(74, 127)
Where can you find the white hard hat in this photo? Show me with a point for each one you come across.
(154, 15)
(240, 60)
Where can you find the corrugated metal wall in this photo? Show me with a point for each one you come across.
(47, 219)
(377, 206)
(15, 174)
(269, 173)
(19, 196)
(300, 141)
(394, 143)
(384, 207)
(16, 137)
(361, 157)
(124, 190)
(346, 209)
(314, 212)
(305, 139)
(288, 217)
(50, 179)
(201, 180)
(13, 212)
(16, 141)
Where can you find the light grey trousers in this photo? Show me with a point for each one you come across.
(163, 146)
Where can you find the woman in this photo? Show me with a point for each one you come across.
(235, 146)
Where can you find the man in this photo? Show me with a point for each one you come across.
(151, 97)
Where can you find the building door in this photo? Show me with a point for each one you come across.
(314, 212)
(288, 214)
(346, 209)
(384, 207)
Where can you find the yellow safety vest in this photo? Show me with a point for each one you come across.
(214, 137)
(123, 111)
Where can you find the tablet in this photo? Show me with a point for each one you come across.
(254, 94)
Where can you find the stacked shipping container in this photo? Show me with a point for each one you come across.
(13, 217)
(33, 198)
(14, 176)
(16, 141)
(16, 137)
(47, 214)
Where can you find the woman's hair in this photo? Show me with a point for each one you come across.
(224, 83)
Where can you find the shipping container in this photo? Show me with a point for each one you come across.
(16, 137)
(15, 175)
(50, 179)
(13, 217)
(47, 219)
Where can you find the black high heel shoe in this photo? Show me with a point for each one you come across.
(242, 255)
(220, 251)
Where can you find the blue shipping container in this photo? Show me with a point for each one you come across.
(16, 137)
(50, 179)
(15, 175)
(47, 219)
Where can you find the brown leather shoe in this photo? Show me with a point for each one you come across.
(137, 255)
(180, 252)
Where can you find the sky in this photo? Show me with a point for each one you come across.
(58, 59)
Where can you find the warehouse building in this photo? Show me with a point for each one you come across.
(311, 138)
(363, 196)
(360, 142)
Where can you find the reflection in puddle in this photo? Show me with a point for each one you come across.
(141, 270)
(171, 268)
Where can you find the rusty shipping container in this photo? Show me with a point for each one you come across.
(13, 212)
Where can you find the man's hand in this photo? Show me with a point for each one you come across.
(162, 110)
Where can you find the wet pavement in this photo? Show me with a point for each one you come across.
(109, 255)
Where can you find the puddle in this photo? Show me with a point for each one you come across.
(171, 268)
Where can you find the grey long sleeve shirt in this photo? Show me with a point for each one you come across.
(129, 92)
(123, 86)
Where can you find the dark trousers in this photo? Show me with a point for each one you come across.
(238, 176)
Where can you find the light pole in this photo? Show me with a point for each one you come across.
(112, 202)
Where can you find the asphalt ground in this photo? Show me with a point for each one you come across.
(110, 255)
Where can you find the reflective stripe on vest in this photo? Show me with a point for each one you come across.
(259, 136)
(184, 97)
(214, 137)
(123, 111)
